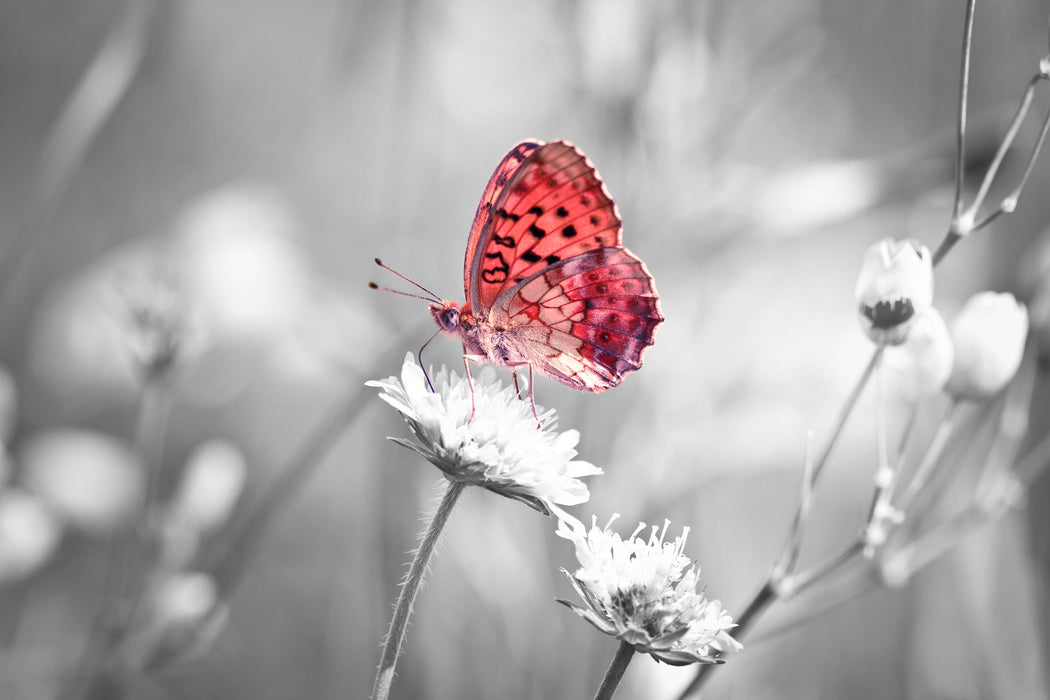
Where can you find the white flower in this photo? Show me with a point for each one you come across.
(91, 480)
(500, 448)
(895, 285)
(29, 534)
(643, 591)
(210, 486)
(186, 616)
(922, 364)
(989, 335)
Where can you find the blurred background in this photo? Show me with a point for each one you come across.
(267, 151)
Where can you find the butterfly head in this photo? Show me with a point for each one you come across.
(447, 316)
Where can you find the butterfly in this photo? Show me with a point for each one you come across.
(549, 285)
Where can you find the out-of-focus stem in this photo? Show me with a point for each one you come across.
(228, 561)
(930, 459)
(86, 111)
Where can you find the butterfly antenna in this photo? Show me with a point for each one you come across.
(419, 358)
(433, 297)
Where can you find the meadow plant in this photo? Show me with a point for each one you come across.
(179, 534)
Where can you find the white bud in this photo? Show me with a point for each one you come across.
(989, 336)
(210, 486)
(894, 286)
(28, 535)
(921, 365)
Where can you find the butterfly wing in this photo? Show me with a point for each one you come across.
(545, 260)
(587, 320)
(552, 206)
(481, 228)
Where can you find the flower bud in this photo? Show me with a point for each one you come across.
(921, 365)
(989, 335)
(894, 286)
(187, 616)
(29, 535)
(90, 480)
(210, 486)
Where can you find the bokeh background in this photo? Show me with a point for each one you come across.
(268, 150)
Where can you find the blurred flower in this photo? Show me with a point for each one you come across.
(989, 335)
(91, 480)
(922, 364)
(157, 314)
(210, 486)
(28, 534)
(500, 448)
(243, 268)
(186, 618)
(643, 591)
(895, 284)
(818, 193)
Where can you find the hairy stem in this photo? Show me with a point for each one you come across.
(410, 588)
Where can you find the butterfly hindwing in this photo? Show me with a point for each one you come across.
(586, 320)
(550, 206)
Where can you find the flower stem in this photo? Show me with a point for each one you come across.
(956, 229)
(98, 673)
(844, 414)
(399, 624)
(624, 654)
(930, 460)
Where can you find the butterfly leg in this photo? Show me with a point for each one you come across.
(467, 358)
(532, 398)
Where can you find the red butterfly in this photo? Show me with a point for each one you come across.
(549, 285)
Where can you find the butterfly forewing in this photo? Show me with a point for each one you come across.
(551, 207)
(506, 168)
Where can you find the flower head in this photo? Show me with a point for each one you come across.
(643, 591)
(157, 319)
(989, 335)
(500, 448)
(894, 286)
(922, 363)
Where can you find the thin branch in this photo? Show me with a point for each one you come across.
(1004, 147)
(789, 557)
(956, 228)
(960, 134)
(1009, 202)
